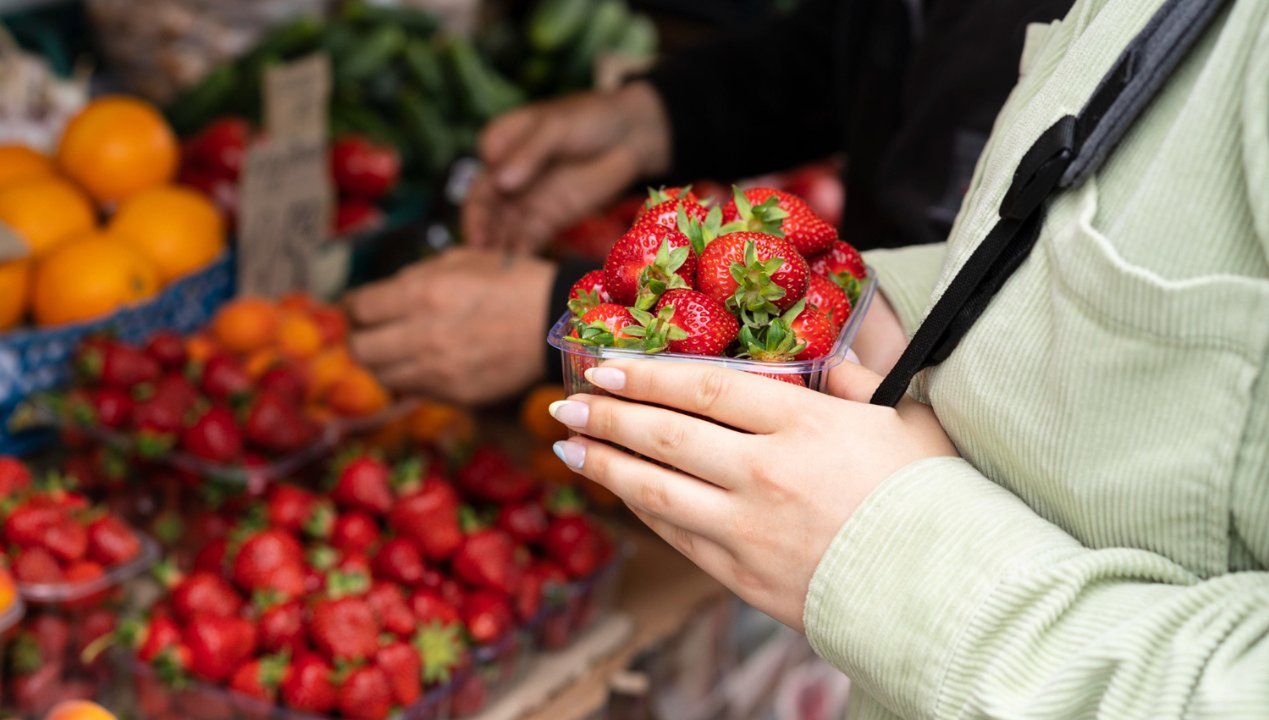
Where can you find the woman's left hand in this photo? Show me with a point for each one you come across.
(767, 472)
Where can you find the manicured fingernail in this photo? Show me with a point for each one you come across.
(570, 453)
(606, 378)
(570, 412)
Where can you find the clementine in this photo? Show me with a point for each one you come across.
(45, 212)
(19, 162)
(326, 368)
(89, 277)
(245, 325)
(199, 347)
(357, 394)
(434, 423)
(118, 146)
(299, 336)
(179, 229)
(535, 416)
(8, 591)
(78, 710)
(15, 283)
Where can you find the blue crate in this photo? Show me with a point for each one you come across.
(33, 361)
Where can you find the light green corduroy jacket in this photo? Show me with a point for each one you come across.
(1102, 550)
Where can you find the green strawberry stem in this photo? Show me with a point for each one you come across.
(661, 275)
(766, 217)
(756, 293)
(776, 342)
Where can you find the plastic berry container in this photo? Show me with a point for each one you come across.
(576, 607)
(577, 358)
(494, 669)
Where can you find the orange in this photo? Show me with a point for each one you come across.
(45, 212)
(15, 282)
(434, 423)
(536, 418)
(549, 470)
(19, 162)
(89, 277)
(179, 229)
(8, 593)
(326, 368)
(297, 300)
(78, 710)
(118, 146)
(357, 394)
(245, 325)
(260, 361)
(199, 347)
(298, 336)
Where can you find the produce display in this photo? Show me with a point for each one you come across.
(761, 278)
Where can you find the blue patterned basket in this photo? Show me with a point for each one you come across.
(33, 361)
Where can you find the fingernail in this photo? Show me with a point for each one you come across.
(570, 412)
(606, 378)
(570, 453)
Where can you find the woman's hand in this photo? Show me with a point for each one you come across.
(767, 472)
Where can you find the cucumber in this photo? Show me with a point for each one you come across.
(425, 67)
(555, 22)
(412, 21)
(372, 55)
(430, 137)
(292, 40)
(483, 92)
(605, 28)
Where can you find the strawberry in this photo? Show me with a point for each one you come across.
(217, 645)
(26, 524)
(491, 476)
(307, 685)
(662, 207)
(709, 327)
(487, 560)
(814, 328)
(777, 212)
(429, 517)
(363, 483)
(14, 476)
(354, 532)
(441, 649)
(270, 559)
(160, 635)
(528, 599)
(213, 436)
(223, 378)
(429, 608)
(205, 594)
(842, 264)
(259, 678)
(488, 616)
(577, 545)
(391, 610)
(276, 425)
(286, 379)
(525, 521)
(606, 325)
(110, 362)
(297, 510)
(36, 565)
(587, 293)
(827, 296)
(111, 542)
(281, 628)
(159, 414)
(365, 694)
(399, 560)
(404, 669)
(645, 262)
(211, 557)
(110, 407)
(344, 628)
(220, 147)
(66, 539)
(753, 274)
(804, 333)
(167, 349)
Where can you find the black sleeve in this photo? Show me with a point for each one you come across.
(759, 100)
(567, 272)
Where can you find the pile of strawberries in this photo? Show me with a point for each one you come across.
(259, 383)
(55, 535)
(357, 599)
(761, 277)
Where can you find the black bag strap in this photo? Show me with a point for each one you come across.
(1064, 156)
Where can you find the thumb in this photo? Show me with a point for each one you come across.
(852, 381)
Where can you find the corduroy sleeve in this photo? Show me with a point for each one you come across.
(907, 276)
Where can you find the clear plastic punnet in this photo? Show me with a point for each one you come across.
(579, 358)
(75, 593)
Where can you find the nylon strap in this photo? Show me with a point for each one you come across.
(1064, 156)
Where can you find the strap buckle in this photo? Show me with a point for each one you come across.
(1040, 171)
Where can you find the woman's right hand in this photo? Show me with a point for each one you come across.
(550, 164)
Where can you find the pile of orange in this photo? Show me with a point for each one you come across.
(535, 418)
(115, 159)
(300, 332)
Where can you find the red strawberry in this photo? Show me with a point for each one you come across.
(365, 694)
(777, 212)
(827, 296)
(161, 635)
(354, 532)
(111, 541)
(353, 215)
(111, 406)
(287, 380)
(772, 275)
(487, 616)
(587, 293)
(220, 147)
(259, 678)
(344, 628)
(213, 436)
(297, 510)
(167, 349)
(265, 555)
(607, 325)
(223, 378)
(276, 425)
(307, 685)
(281, 628)
(205, 594)
(26, 524)
(110, 362)
(218, 645)
(66, 539)
(524, 521)
(813, 327)
(645, 262)
(14, 476)
(211, 557)
(804, 332)
(662, 207)
(364, 483)
(36, 565)
(429, 516)
(842, 264)
(159, 414)
(490, 475)
(399, 560)
(401, 664)
(429, 608)
(391, 610)
(487, 560)
(362, 168)
(577, 545)
(709, 327)
(528, 599)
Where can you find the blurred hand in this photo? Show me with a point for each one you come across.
(549, 165)
(467, 326)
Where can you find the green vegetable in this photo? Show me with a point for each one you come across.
(372, 55)
(638, 40)
(429, 133)
(200, 103)
(555, 22)
(602, 31)
(484, 93)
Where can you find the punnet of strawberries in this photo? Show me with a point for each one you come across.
(356, 599)
(761, 277)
